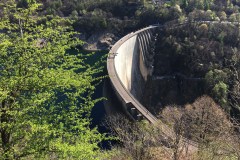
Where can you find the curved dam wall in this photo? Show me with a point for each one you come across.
(129, 64)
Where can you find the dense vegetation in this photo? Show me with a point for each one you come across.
(200, 52)
(202, 121)
(205, 55)
(46, 91)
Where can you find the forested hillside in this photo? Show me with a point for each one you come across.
(47, 83)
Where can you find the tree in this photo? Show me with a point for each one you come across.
(45, 91)
(217, 83)
(141, 140)
(206, 120)
(74, 14)
(220, 92)
(224, 145)
(205, 123)
(185, 3)
(235, 80)
(135, 137)
(174, 117)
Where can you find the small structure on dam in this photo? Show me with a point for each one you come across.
(129, 64)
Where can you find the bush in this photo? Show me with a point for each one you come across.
(220, 92)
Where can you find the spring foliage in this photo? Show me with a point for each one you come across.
(45, 92)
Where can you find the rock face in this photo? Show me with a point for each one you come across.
(100, 41)
(105, 42)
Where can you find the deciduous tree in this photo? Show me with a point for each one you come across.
(45, 91)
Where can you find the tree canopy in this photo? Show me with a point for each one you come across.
(45, 91)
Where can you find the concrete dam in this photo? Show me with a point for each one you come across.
(130, 67)
(129, 64)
